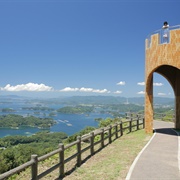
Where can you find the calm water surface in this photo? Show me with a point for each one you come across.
(68, 123)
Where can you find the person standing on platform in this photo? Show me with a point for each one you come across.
(165, 32)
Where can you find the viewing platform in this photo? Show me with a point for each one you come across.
(160, 33)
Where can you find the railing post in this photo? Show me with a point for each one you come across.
(61, 160)
(34, 167)
(143, 123)
(121, 128)
(130, 123)
(116, 129)
(110, 134)
(137, 122)
(162, 115)
(79, 151)
(102, 137)
(127, 115)
(173, 117)
(92, 143)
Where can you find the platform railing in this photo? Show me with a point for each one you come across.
(164, 117)
(162, 32)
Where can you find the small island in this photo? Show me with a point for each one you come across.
(76, 109)
(7, 110)
(16, 121)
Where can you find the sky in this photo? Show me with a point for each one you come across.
(54, 48)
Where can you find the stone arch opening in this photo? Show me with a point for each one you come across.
(161, 91)
(172, 75)
(169, 73)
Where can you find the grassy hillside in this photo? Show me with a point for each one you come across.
(112, 162)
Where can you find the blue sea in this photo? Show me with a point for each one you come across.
(68, 123)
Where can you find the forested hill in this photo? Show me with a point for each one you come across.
(95, 100)
(15, 121)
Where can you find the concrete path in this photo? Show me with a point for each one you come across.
(159, 158)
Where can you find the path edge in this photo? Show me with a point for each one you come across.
(138, 156)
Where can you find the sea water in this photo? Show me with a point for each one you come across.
(68, 123)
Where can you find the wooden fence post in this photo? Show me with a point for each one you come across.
(102, 137)
(130, 123)
(143, 123)
(121, 128)
(61, 160)
(127, 115)
(110, 134)
(137, 122)
(79, 151)
(116, 129)
(92, 143)
(162, 115)
(34, 167)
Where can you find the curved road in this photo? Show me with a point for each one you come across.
(159, 158)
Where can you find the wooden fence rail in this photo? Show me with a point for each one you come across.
(164, 117)
(110, 133)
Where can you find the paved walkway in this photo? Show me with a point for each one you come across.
(159, 158)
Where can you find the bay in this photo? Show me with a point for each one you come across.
(68, 123)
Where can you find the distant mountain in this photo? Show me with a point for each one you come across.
(9, 97)
(163, 100)
(156, 100)
(111, 100)
(96, 100)
(14, 97)
(115, 100)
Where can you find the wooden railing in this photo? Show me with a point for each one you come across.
(106, 135)
(164, 117)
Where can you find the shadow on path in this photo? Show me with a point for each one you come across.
(167, 131)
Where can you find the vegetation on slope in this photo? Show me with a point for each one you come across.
(114, 161)
(16, 150)
(15, 121)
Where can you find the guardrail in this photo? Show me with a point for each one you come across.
(164, 117)
(161, 33)
(133, 122)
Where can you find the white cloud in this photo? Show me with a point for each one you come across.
(161, 94)
(141, 92)
(83, 89)
(86, 89)
(122, 83)
(157, 84)
(141, 83)
(27, 87)
(117, 92)
(101, 91)
(69, 89)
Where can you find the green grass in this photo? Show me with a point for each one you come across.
(110, 163)
(114, 161)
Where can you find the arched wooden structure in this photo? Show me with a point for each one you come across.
(163, 58)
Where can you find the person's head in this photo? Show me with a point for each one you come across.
(165, 23)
